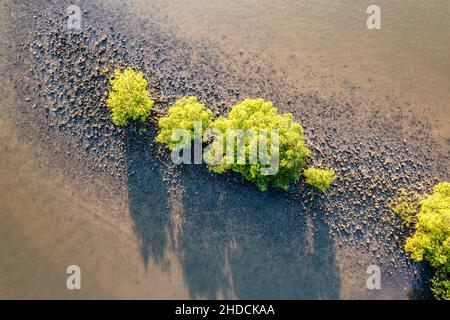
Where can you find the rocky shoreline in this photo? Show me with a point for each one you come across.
(212, 220)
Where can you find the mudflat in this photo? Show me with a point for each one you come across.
(109, 199)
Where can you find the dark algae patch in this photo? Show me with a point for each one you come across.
(231, 239)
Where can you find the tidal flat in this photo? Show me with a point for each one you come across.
(76, 189)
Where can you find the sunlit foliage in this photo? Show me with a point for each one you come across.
(183, 115)
(320, 178)
(260, 116)
(129, 100)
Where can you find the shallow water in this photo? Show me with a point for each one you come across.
(48, 222)
(325, 45)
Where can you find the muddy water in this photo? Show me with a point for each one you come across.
(47, 222)
(325, 45)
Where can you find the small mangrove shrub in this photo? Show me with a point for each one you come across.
(319, 178)
(248, 124)
(183, 115)
(407, 206)
(129, 100)
(431, 238)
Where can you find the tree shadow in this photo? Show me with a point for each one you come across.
(234, 241)
(147, 197)
(239, 242)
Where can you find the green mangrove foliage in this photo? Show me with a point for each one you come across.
(431, 238)
(253, 118)
(183, 115)
(254, 140)
(440, 284)
(407, 206)
(129, 100)
(319, 178)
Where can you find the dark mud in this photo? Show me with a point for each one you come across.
(231, 239)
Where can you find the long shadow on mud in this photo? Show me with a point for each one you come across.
(147, 197)
(234, 241)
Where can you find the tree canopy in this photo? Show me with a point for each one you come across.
(261, 117)
(431, 238)
(129, 100)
